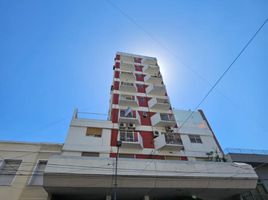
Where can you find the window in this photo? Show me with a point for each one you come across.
(129, 136)
(126, 113)
(90, 154)
(95, 132)
(8, 170)
(195, 139)
(37, 178)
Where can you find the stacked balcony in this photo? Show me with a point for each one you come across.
(169, 142)
(126, 59)
(127, 67)
(151, 69)
(153, 79)
(130, 139)
(127, 76)
(158, 90)
(149, 61)
(163, 120)
(129, 116)
(127, 87)
(128, 100)
(159, 104)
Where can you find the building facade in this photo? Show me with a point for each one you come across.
(21, 169)
(258, 159)
(158, 157)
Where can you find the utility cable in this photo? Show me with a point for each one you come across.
(224, 73)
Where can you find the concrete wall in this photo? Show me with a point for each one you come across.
(29, 153)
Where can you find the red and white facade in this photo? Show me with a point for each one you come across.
(158, 159)
(141, 111)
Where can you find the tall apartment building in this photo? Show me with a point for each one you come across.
(157, 158)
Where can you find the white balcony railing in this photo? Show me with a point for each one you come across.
(127, 67)
(168, 141)
(159, 90)
(163, 119)
(159, 104)
(129, 117)
(127, 76)
(153, 79)
(128, 100)
(151, 69)
(127, 87)
(130, 139)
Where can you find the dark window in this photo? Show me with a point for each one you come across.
(195, 139)
(90, 154)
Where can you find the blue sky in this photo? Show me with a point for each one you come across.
(58, 55)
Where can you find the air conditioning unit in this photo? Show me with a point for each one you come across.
(156, 134)
(131, 126)
(122, 125)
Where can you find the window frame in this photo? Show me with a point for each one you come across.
(35, 167)
(195, 139)
(2, 162)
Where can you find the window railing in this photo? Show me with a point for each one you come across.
(173, 139)
(128, 98)
(167, 117)
(129, 136)
(127, 115)
(127, 84)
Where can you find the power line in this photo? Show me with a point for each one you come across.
(225, 72)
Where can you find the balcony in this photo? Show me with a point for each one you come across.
(149, 61)
(127, 59)
(128, 117)
(151, 69)
(128, 100)
(159, 104)
(169, 142)
(159, 90)
(153, 79)
(127, 67)
(127, 87)
(162, 119)
(127, 77)
(130, 139)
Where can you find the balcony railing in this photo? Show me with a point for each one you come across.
(127, 87)
(151, 69)
(130, 139)
(168, 141)
(160, 104)
(162, 119)
(127, 67)
(149, 61)
(159, 90)
(128, 100)
(127, 59)
(127, 77)
(153, 79)
(129, 117)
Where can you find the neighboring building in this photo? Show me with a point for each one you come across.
(158, 157)
(21, 169)
(259, 160)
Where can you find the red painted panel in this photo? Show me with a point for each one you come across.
(114, 137)
(158, 157)
(137, 60)
(114, 116)
(147, 138)
(145, 118)
(115, 98)
(143, 156)
(116, 74)
(117, 65)
(138, 68)
(183, 158)
(116, 85)
(141, 88)
(139, 77)
(143, 101)
(112, 155)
